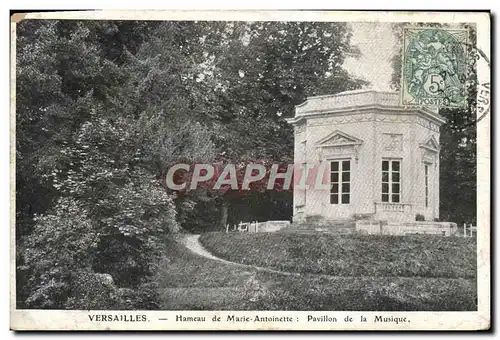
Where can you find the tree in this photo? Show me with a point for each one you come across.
(258, 72)
(96, 131)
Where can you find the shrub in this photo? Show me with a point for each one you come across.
(58, 254)
(91, 290)
(419, 217)
(73, 261)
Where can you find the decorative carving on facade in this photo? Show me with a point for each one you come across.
(299, 128)
(429, 156)
(394, 118)
(341, 120)
(338, 138)
(427, 124)
(429, 149)
(371, 117)
(339, 143)
(430, 143)
(340, 150)
(392, 141)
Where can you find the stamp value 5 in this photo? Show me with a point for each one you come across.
(434, 67)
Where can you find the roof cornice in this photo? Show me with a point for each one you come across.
(352, 102)
(376, 109)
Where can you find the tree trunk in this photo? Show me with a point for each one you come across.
(224, 212)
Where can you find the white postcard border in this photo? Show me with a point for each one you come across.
(81, 320)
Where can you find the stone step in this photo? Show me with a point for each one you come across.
(330, 227)
(314, 218)
(341, 231)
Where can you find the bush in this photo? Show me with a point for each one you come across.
(58, 254)
(91, 290)
(73, 261)
(419, 217)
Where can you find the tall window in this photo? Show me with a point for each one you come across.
(340, 181)
(426, 167)
(391, 181)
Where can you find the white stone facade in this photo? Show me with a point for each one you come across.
(381, 159)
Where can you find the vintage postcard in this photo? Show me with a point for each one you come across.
(250, 170)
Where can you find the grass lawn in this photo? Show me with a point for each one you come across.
(187, 281)
(349, 255)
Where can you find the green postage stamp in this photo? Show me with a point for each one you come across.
(434, 67)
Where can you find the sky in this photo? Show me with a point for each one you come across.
(377, 45)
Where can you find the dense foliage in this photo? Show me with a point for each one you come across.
(103, 109)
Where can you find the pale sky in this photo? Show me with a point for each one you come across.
(377, 45)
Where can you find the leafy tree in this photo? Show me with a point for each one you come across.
(94, 130)
(258, 72)
(48, 111)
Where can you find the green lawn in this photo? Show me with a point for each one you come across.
(190, 282)
(349, 255)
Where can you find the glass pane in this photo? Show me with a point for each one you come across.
(395, 188)
(346, 165)
(385, 165)
(395, 177)
(395, 198)
(346, 187)
(395, 165)
(346, 176)
(385, 188)
(334, 188)
(335, 166)
(385, 176)
(334, 199)
(385, 198)
(345, 198)
(334, 177)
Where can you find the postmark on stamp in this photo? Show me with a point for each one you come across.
(434, 67)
